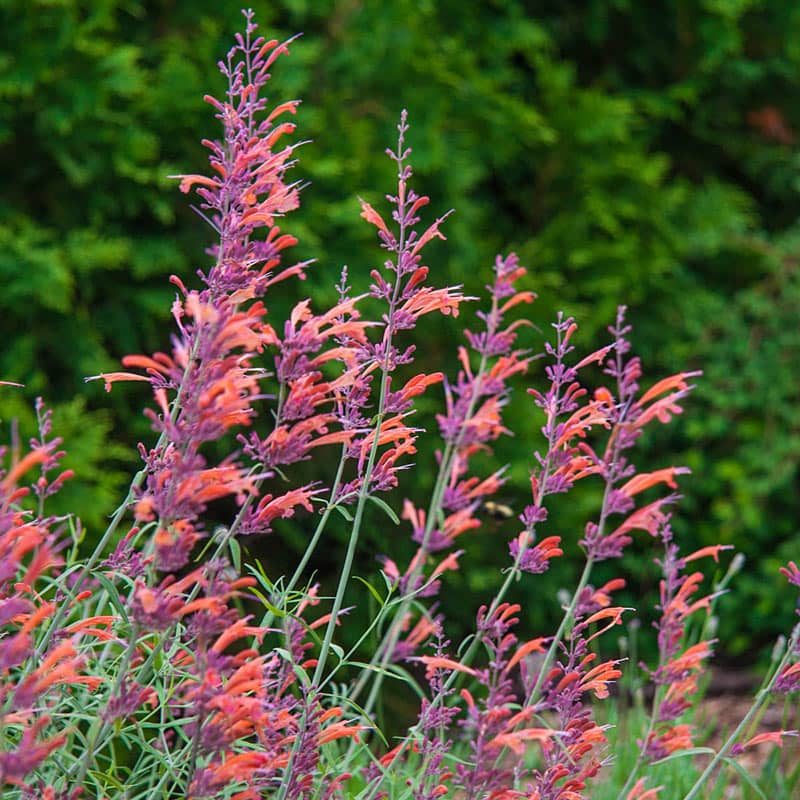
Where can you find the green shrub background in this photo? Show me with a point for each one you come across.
(630, 152)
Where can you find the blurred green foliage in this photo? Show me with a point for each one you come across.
(642, 153)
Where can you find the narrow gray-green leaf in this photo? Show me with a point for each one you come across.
(372, 590)
(746, 776)
(690, 751)
(386, 508)
(111, 590)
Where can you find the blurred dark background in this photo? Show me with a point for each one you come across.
(637, 153)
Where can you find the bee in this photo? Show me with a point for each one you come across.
(498, 511)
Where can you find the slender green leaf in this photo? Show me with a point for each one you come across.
(113, 597)
(236, 553)
(690, 751)
(386, 508)
(746, 777)
(344, 512)
(372, 590)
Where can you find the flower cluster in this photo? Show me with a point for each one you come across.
(565, 692)
(492, 722)
(35, 664)
(210, 383)
(405, 295)
(473, 419)
(250, 697)
(681, 664)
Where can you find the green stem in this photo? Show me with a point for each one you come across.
(352, 544)
(657, 699)
(102, 724)
(312, 545)
(385, 649)
(195, 751)
(760, 700)
(65, 605)
(566, 620)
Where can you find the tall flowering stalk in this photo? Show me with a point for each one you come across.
(208, 386)
(681, 663)
(210, 382)
(406, 297)
(473, 419)
(570, 457)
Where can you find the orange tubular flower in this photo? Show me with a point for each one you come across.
(112, 377)
(60, 666)
(582, 421)
(597, 679)
(670, 740)
(532, 646)
(372, 216)
(713, 550)
(211, 484)
(239, 630)
(644, 481)
(669, 384)
(486, 423)
(270, 508)
(648, 518)
(516, 740)
(439, 662)
(419, 634)
(641, 792)
(689, 661)
(340, 730)
(536, 559)
(772, 737)
(419, 384)
(428, 299)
